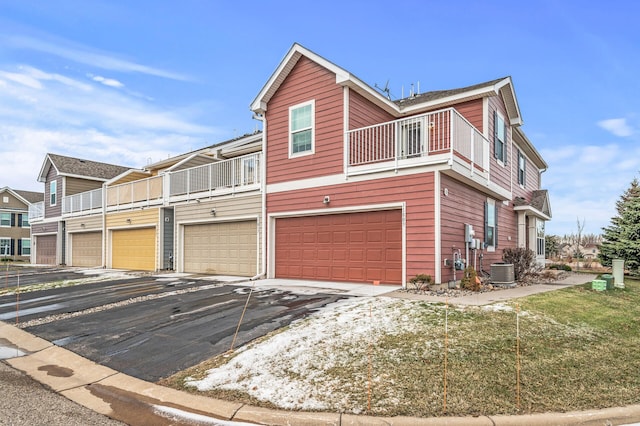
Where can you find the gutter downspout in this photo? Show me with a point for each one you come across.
(263, 194)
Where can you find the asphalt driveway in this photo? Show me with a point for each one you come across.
(151, 327)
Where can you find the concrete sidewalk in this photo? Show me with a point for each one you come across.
(134, 401)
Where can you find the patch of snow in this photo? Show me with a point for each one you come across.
(289, 368)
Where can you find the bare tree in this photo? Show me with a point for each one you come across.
(578, 253)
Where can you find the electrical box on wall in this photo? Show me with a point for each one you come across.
(469, 233)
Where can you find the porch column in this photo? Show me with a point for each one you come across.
(522, 229)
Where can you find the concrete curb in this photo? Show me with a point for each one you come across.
(113, 394)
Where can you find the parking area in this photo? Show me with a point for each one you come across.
(153, 326)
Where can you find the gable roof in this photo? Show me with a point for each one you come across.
(539, 205)
(500, 87)
(27, 197)
(77, 167)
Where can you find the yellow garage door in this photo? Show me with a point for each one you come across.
(134, 249)
(86, 249)
(228, 248)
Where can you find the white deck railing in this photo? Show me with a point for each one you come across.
(232, 175)
(36, 211)
(444, 133)
(143, 192)
(82, 202)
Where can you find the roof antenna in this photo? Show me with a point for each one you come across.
(386, 89)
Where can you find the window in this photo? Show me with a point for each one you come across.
(412, 138)
(301, 123)
(249, 171)
(5, 219)
(5, 199)
(25, 220)
(490, 224)
(540, 237)
(52, 193)
(522, 169)
(5, 246)
(25, 247)
(499, 138)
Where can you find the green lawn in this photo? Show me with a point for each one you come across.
(570, 349)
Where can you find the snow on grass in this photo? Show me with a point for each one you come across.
(289, 369)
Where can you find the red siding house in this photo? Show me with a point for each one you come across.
(361, 188)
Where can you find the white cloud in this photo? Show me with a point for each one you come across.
(587, 184)
(85, 55)
(106, 81)
(617, 126)
(47, 112)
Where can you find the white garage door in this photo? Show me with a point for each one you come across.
(86, 249)
(227, 248)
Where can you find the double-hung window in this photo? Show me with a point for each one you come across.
(499, 138)
(5, 219)
(540, 238)
(490, 224)
(25, 247)
(5, 246)
(53, 192)
(522, 169)
(301, 129)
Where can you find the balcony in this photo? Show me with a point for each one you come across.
(440, 137)
(138, 193)
(223, 177)
(36, 211)
(84, 203)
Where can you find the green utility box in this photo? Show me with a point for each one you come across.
(609, 280)
(599, 285)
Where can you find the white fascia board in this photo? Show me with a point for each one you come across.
(42, 177)
(123, 174)
(534, 212)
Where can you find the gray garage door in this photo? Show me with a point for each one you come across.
(228, 248)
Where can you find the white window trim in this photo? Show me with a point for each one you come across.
(22, 247)
(6, 226)
(492, 248)
(53, 184)
(524, 169)
(312, 151)
(2, 246)
(504, 143)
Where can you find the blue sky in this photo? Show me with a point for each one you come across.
(129, 82)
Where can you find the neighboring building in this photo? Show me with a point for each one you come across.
(198, 212)
(64, 177)
(15, 230)
(361, 188)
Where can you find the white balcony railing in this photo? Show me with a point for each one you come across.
(143, 192)
(36, 211)
(241, 173)
(83, 202)
(440, 136)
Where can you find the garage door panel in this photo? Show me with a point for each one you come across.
(46, 249)
(134, 249)
(359, 247)
(226, 248)
(86, 249)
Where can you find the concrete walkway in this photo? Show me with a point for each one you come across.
(135, 401)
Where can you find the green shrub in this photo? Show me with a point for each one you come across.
(560, 267)
(470, 279)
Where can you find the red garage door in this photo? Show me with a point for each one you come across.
(356, 247)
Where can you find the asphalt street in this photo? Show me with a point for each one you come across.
(153, 327)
